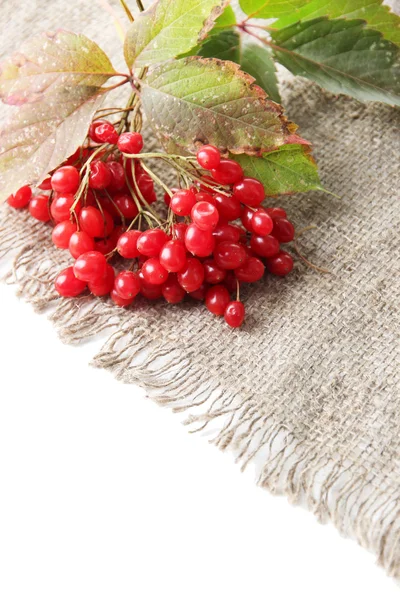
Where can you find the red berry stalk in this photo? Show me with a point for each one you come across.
(216, 236)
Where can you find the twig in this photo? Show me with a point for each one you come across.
(302, 257)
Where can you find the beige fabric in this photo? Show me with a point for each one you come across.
(309, 388)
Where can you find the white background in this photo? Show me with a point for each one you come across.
(105, 495)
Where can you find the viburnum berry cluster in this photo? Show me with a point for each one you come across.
(213, 235)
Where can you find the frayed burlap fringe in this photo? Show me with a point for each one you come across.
(359, 502)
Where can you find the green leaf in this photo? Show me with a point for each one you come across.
(343, 56)
(55, 83)
(169, 28)
(195, 101)
(227, 19)
(225, 45)
(271, 9)
(373, 12)
(253, 59)
(286, 171)
(258, 62)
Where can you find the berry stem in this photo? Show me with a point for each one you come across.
(116, 208)
(127, 11)
(156, 179)
(130, 106)
(143, 202)
(302, 257)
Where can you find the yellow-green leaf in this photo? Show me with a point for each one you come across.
(271, 9)
(169, 28)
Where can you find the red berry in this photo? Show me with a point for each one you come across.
(199, 242)
(179, 231)
(39, 208)
(21, 198)
(230, 281)
(62, 232)
(229, 255)
(90, 198)
(212, 272)
(192, 276)
(79, 243)
(93, 127)
(108, 224)
(228, 207)
(172, 291)
(154, 272)
(261, 222)
(104, 285)
(61, 207)
(90, 266)
(120, 301)
(105, 245)
(66, 180)
(249, 191)
(80, 153)
(281, 264)
(68, 285)
(217, 299)
(226, 232)
(100, 175)
(204, 197)
(227, 172)
(149, 291)
(126, 206)
(208, 157)
(151, 241)
(45, 185)
(276, 212)
(127, 244)
(106, 133)
(127, 284)
(91, 221)
(182, 202)
(146, 186)
(167, 198)
(252, 270)
(283, 230)
(173, 256)
(200, 293)
(234, 313)
(117, 176)
(265, 246)
(130, 143)
(205, 215)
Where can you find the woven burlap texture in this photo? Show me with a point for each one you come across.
(309, 388)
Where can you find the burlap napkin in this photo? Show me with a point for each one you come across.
(309, 388)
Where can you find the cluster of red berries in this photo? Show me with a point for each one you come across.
(200, 251)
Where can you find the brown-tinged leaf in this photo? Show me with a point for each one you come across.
(53, 64)
(54, 84)
(194, 101)
(40, 136)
